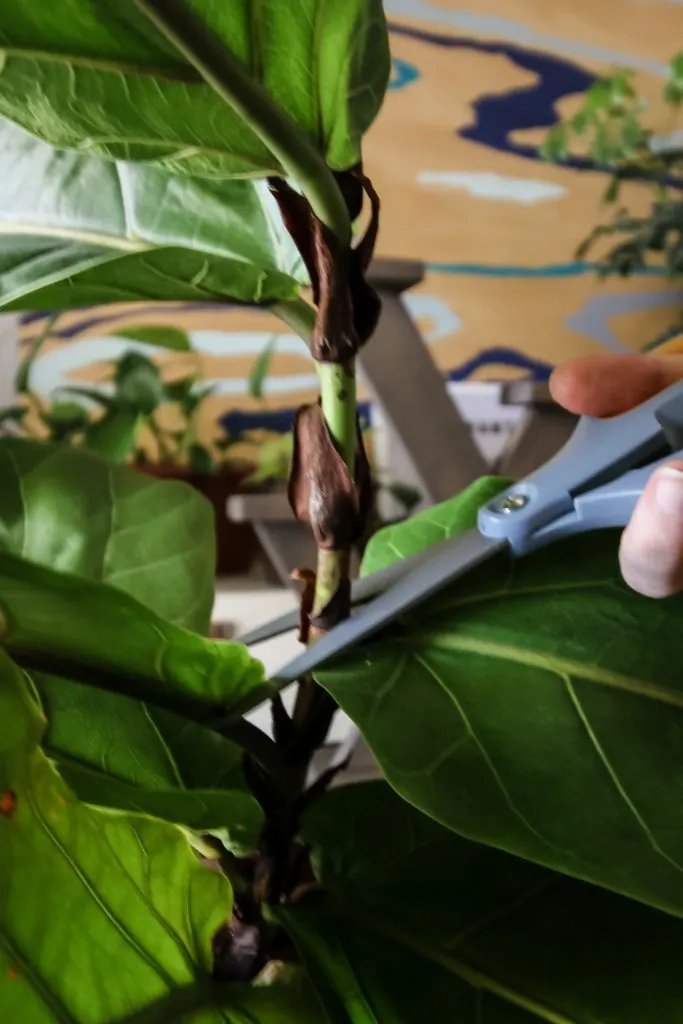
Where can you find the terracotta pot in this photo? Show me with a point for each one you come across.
(236, 543)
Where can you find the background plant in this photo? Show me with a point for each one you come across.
(621, 132)
(522, 861)
(135, 399)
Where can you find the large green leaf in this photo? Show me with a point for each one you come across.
(70, 510)
(535, 706)
(100, 913)
(107, 917)
(422, 925)
(161, 335)
(101, 79)
(66, 509)
(114, 434)
(114, 752)
(90, 631)
(76, 230)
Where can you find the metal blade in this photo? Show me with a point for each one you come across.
(362, 590)
(466, 551)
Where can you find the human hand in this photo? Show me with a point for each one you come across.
(651, 549)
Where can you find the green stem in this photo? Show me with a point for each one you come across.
(298, 315)
(337, 380)
(338, 400)
(21, 380)
(164, 450)
(247, 97)
(260, 746)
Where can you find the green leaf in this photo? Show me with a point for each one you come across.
(117, 753)
(91, 632)
(673, 90)
(23, 374)
(114, 435)
(107, 82)
(259, 370)
(79, 231)
(160, 335)
(611, 193)
(180, 390)
(101, 914)
(64, 419)
(535, 706)
(91, 395)
(422, 925)
(138, 382)
(67, 509)
(555, 145)
(200, 459)
(286, 999)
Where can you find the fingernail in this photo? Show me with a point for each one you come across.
(669, 491)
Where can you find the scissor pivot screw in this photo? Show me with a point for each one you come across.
(511, 503)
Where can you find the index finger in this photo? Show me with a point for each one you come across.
(611, 384)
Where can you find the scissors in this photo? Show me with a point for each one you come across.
(592, 483)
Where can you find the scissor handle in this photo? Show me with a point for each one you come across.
(599, 451)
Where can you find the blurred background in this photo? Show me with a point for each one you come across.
(455, 158)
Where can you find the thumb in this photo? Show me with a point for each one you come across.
(651, 551)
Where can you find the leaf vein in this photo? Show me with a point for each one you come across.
(488, 761)
(611, 771)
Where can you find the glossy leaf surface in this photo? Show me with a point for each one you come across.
(76, 230)
(113, 435)
(92, 632)
(82, 890)
(420, 924)
(69, 510)
(102, 79)
(534, 705)
(74, 512)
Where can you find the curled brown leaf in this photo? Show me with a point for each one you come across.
(347, 306)
(321, 490)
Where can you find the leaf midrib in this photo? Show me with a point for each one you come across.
(464, 970)
(562, 667)
(185, 75)
(75, 236)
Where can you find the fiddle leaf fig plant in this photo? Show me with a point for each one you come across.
(163, 859)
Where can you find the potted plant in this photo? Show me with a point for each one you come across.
(137, 416)
(623, 136)
(161, 859)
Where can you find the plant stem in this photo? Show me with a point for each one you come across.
(298, 315)
(164, 451)
(247, 97)
(338, 400)
(22, 384)
(259, 746)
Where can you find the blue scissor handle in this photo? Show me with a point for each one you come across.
(600, 452)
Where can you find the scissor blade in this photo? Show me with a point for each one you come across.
(362, 590)
(442, 567)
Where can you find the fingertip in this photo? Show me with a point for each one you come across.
(651, 550)
(610, 384)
